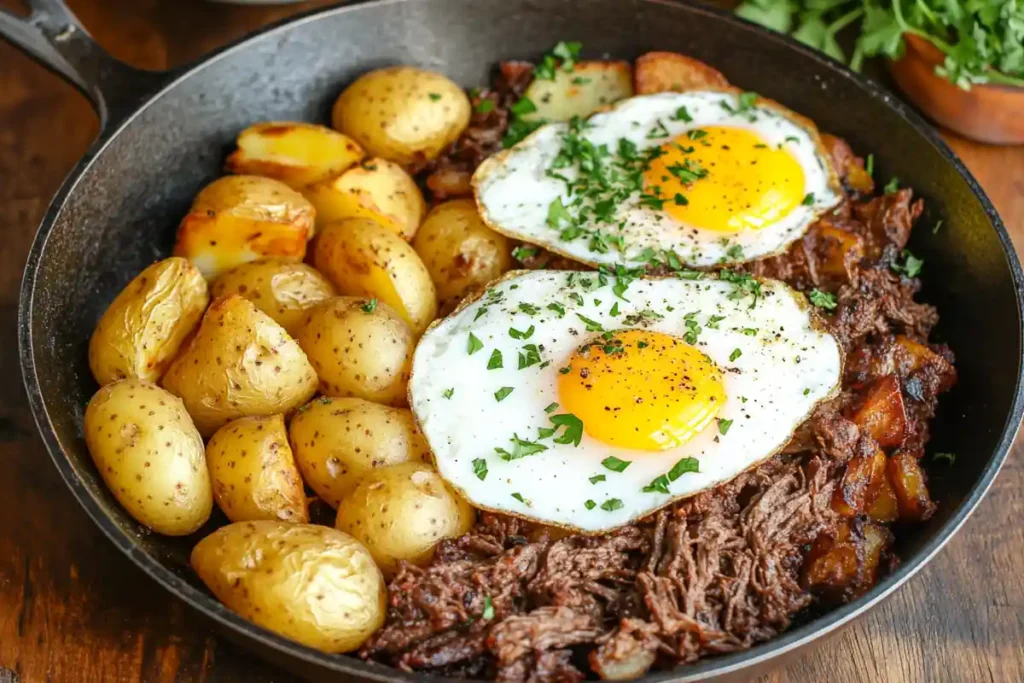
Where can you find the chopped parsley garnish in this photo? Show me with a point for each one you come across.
(573, 432)
(683, 115)
(564, 54)
(575, 296)
(642, 345)
(714, 320)
(434, 97)
(806, 391)
(557, 308)
(696, 134)
(659, 131)
(723, 426)
(735, 252)
(892, 186)
(614, 464)
(743, 284)
(480, 313)
(484, 106)
(519, 129)
(480, 468)
(528, 309)
(808, 199)
(552, 407)
(688, 172)
(611, 504)
(682, 467)
(592, 325)
(750, 331)
(823, 300)
(736, 353)
(935, 229)
(869, 165)
(494, 362)
(474, 344)
(523, 253)
(516, 334)
(518, 496)
(747, 100)
(641, 317)
(911, 266)
(590, 505)
(369, 306)
(597, 478)
(565, 371)
(948, 457)
(520, 449)
(448, 393)
(580, 80)
(614, 309)
(530, 355)
(692, 331)
(680, 200)
(523, 107)
(502, 393)
(658, 485)
(488, 612)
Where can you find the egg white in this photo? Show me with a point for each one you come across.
(789, 366)
(514, 192)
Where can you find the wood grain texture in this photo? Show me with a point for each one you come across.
(73, 609)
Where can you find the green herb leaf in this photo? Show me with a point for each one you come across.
(911, 266)
(723, 426)
(488, 612)
(523, 107)
(518, 496)
(573, 432)
(892, 186)
(369, 306)
(658, 485)
(684, 466)
(808, 199)
(480, 468)
(823, 300)
(611, 504)
(502, 393)
(522, 253)
(474, 344)
(516, 334)
(590, 505)
(948, 457)
(448, 393)
(520, 449)
(552, 407)
(557, 308)
(616, 465)
(592, 325)
(683, 115)
(494, 362)
(484, 106)
(736, 353)
(434, 97)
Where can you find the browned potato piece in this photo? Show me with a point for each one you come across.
(580, 92)
(150, 456)
(240, 363)
(882, 414)
(281, 289)
(402, 113)
(460, 251)
(359, 347)
(911, 488)
(671, 72)
(143, 328)
(253, 471)
(376, 189)
(364, 259)
(295, 153)
(241, 218)
(402, 512)
(864, 474)
(310, 583)
(339, 440)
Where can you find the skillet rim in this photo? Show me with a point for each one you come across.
(760, 654)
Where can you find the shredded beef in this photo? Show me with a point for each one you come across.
(726, 568)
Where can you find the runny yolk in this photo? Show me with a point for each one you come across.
(656, 393)
(746, 184)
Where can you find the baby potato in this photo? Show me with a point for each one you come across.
(401, 512)
(254, 473)
(310, 583)
(143, 328)
(338, 440)
(589, 87)
(363, 259)
(376, 189)
(281, 289)
(240, 363)
(360, 348)
(402, 113)
(150, 455)
(241, 218)
(295, 153)
(460, 251)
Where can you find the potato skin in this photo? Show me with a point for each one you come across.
(240, 363)
(241, 218)
(310, 583)
(361, 258)
(150, 455)
(460, 251)
(145, 325)
(402, 113)
(254, 473)
(401, 512)
(589, 87)
(295, 153)
(337, 441)
(376, 189)
(671, 72)
(359, 349)
(281, 289)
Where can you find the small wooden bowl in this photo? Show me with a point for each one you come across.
(987, 112)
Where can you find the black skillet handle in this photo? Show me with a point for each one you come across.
(52, 35)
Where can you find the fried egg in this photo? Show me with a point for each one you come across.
(705, 177)
(586, 401)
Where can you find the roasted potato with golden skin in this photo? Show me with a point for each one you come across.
(657, 72)
(402, 512)
(295, 153)
(254, 472)
(590, 86)
(281, 289)
(242, 218)
(150, 455)
(460, 251)
(359, 347)
(145, 326)
(361, 258)
(240, 363)
(310, 583)
(376, 189)
(402, 113)
(337, 441)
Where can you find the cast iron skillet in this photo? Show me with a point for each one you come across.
(164, 135)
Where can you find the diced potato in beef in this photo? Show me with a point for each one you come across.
(882, 414)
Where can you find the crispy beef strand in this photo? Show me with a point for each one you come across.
(717, 572)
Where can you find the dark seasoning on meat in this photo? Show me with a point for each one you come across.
(730, 567)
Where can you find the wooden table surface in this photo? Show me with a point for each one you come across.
(73, 609)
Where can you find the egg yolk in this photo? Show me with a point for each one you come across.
(725, 179)
(641, 390)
